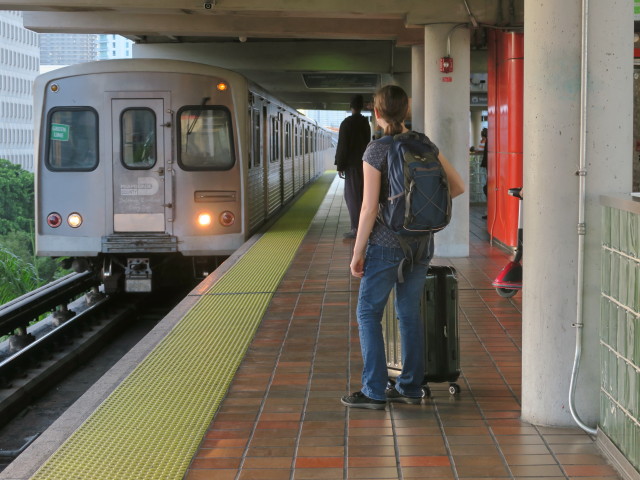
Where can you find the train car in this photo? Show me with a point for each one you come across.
(149, 167)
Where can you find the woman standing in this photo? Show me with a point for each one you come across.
(376, 257)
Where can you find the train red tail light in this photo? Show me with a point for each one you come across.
(54, 220)
(227, 218)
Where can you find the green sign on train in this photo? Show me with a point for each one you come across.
(59, 132)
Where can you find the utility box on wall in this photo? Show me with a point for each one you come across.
(505, 83)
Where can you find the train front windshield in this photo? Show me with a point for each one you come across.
(72, 139)
(205, 138)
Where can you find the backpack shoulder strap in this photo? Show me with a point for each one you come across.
(409, 257)
(387, 139)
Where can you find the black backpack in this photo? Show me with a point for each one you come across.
(415, 198)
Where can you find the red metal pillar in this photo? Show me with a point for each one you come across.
(505, 102)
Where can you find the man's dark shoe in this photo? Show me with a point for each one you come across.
(394, 395)
(360, 400)
(349, 234)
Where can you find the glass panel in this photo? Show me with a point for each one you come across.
(287, 140)
(205, 139)
(624, 226)
(255, 140)
(604, 369)
(275, 139)
(138, 127)
(632, 389)
(604, 320)
(636, 344)
(606, 226)
(615, 228)
(73, 140)
(606, 272)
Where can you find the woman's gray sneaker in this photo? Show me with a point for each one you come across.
(360, 400)
(394, 395)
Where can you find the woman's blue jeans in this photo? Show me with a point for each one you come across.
(380, 276)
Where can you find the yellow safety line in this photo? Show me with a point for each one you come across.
(151, 425)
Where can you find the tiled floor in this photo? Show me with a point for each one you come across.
(282, 418)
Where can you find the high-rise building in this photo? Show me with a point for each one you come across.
(19, 65)
(113, 46)
(67, 48)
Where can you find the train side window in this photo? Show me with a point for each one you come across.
(287, 140)
(205, 138)
(255, 139)
(275, 140)
(306, 141)
(72, 139)
(138, 138)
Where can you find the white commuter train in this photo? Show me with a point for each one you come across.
(146, 167)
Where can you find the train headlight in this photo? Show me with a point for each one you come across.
(74, 220)
(227, 218)
(204, 219)
(222, 87)
(54, 220)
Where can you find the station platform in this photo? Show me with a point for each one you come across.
(258, 396)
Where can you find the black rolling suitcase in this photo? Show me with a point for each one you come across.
(439, 305)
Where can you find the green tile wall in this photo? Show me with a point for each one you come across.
(620, 331)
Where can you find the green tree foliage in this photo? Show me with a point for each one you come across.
(20, 270)
(16, 198)
(19, 277)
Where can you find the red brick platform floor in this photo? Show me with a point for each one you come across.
(282, 417)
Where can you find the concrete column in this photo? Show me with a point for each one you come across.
(446, 122)
(417, 88)
(551, 159)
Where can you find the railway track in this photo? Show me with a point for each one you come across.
(40, 357)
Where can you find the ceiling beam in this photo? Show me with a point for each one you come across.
(222, 26)
(288, 57)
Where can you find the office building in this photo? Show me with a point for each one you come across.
(113, 46)
(67, 48)
(19, 65)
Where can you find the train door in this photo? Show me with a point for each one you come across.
(256, 180)
(138, 158)
(307, 154)
(274, 160)
(287, 163)
(297, 168)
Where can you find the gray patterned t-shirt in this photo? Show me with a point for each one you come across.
(376, 156)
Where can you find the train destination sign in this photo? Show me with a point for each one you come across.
(60, 132)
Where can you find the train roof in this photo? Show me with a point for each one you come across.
(139, 65)
(152, 65)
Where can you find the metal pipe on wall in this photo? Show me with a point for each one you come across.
(582, 196)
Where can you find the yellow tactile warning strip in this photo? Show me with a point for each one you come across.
(152, 424)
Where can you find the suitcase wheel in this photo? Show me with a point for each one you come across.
(454, 388)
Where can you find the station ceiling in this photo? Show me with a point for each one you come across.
(312, 54)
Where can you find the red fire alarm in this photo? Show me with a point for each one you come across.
(446, 64)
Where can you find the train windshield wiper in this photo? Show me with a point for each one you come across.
(196, 117)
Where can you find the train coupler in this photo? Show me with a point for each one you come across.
(137, 275)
